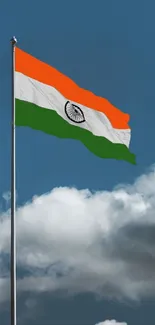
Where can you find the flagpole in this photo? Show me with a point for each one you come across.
(13, 197)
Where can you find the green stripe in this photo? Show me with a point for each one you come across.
(48, 121)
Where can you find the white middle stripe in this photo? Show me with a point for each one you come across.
(33, 91)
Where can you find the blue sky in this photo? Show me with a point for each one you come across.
(107, 47)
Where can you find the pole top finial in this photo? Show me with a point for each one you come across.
(13, 40)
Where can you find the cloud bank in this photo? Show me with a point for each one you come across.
(111, 322)
(75, 241)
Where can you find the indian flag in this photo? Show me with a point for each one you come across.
(49, 101)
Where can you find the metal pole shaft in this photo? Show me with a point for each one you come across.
(13, 197)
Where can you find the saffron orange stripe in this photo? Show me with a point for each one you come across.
(38, 70)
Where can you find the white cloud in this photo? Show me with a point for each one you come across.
(7, 196)
(79, 241)
(111, 322)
